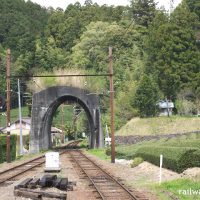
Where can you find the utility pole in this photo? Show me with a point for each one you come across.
(8, 157)
(111, 106)
(20, 119)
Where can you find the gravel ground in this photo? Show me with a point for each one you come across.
(136, 178)
(82, 191)
(144, 174)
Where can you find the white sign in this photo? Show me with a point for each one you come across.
(107, 141)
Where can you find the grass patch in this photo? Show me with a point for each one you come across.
(100, 153)
(136, 161)
(184, 189)
(160, 125)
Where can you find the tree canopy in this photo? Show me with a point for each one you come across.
(155, 55)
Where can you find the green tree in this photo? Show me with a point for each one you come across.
(143, 11)
(48, 55)
(194, 6)
(173, 56)
(20, 22)
(124, 108)
(146, 96)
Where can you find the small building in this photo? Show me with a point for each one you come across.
(165, 108)
(15, 127)
(26, 127)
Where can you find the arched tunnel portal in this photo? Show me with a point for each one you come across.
(44, 105)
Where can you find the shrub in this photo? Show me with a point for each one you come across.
(83, 144)
(186, 107)
(175, 158)
(108, 151)
(122, 152)
(13, 139)
(136, 162)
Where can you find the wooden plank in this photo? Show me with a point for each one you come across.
(64, 183)
(24, 183)
(33, 183)
(62, 196)
(27, 194)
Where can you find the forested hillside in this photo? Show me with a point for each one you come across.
(156, 56)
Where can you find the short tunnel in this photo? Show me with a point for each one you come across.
(46, 102)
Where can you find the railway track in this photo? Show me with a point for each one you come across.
(106, 185)
(13, 172)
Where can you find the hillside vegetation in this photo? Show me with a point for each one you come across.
(160, 125)
(155, 56)
(179, 153)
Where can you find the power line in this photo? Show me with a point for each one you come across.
(61, 75)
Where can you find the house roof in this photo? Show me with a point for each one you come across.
(164, 104)
(55, 130)
(26, 120)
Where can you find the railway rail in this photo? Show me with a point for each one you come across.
(15, 171)
(106, 185)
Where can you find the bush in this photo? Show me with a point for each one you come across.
(84, 144)
(13, 139)
(175, 158)
(136, 162)
(186, 107)
(122, 152)
(108, 151)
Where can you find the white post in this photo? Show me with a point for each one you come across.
(20, 120)
(161, 162)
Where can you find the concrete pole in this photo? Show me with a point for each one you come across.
(20, 119)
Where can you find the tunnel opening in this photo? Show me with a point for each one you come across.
(44, 106)
(68, 119)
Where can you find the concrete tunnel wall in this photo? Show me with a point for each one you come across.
(44, 105)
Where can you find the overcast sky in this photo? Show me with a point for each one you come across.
(63, 3)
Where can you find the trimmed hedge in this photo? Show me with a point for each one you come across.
(123, 152)
(183, 143)
(175, 158)
(13, 139)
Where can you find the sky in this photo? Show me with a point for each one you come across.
(63, 3)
